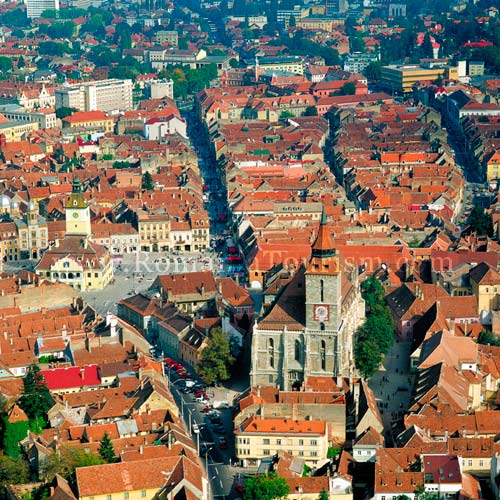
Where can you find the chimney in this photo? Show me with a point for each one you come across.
(452, 326)
(82, 373)
(141, 450)
(202, 289)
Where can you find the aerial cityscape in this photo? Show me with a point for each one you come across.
(250, 250)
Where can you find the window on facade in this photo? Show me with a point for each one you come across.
(125, 495)
(470, 463)
(143, 493)
(322, 354)
(322, 327)
(301, 442)
(314, 442)
(108, 497)
(267, 441)
(321, 290)
(270, 348)
(481, 463)
(278, 441)
(267, 452)
(301, 453)
(297, 350)
(314, 453)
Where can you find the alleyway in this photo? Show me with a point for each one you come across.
(392, 386)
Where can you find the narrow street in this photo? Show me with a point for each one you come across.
(393, 386)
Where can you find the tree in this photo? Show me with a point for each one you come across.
(53, 49)
(367, 357)
(311, 111)
(426, 47)
(64, 112)
(36, 400)
(147, 182)
(286, 114)
(480, 222)
(216, 359)
(324, 495)
(13, 433)
(349, 88)
(65, 460)
(488, 338)
(106, 450)
(5, 64)
(266, 487)
(12, 471)
(373, 71)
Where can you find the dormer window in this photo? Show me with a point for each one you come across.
(75, 203)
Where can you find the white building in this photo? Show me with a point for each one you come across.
(103, 95)
(156, 129)
(34, 8)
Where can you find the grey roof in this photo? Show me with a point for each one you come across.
(127, 427)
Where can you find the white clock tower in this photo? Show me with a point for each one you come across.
(77, 212)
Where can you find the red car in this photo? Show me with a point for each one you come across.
(239, 488)
(197, 394)
(207, 409)
(234, 258)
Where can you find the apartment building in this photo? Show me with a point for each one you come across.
(103, 95)
(154, 232)
(34, 8)
(91, 121)
(258, 438)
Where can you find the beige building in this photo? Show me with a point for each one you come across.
(485, 283)
(33, 233)
(257, 438)
(402, 78)
(75, 259)
(102, 95)
(154, 232)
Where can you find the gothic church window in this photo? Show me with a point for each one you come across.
(322, 354)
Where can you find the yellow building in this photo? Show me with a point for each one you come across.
(402, 78)
(154, 232)
(75, 259)
(493, 167)
(168, 477)
(485, 283)
(258, 438)
(9, 242)
(16, 131)
(95, 121)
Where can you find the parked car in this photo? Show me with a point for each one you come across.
(239, 488)
(201, 399)
(219, 429)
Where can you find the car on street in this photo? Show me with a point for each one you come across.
(239, 488)
(201, 399)
(222, 443)
(219, 429)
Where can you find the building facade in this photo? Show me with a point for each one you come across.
(103, 95)
(34, 8)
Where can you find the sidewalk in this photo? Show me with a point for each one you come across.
(393, 385)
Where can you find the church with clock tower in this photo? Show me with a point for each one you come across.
(309, 331)
(76, 259)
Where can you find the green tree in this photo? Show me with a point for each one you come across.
(13, 433)
(266, 487)
(367, 357)
(5, 64)
(487, 337)
(324, 495)
(349, 88)
(311, 111)
(216, 359)
(53, 49)
(36, 400)
(426, 47)
(66, 459)
(372, 291)
(286, 114)
(64, 112)
(480, 222)
(373, 71)
(12, 471)
(106, 450)
(147, 182)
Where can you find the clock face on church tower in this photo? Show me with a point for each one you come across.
(75, 215)
(321, 312)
